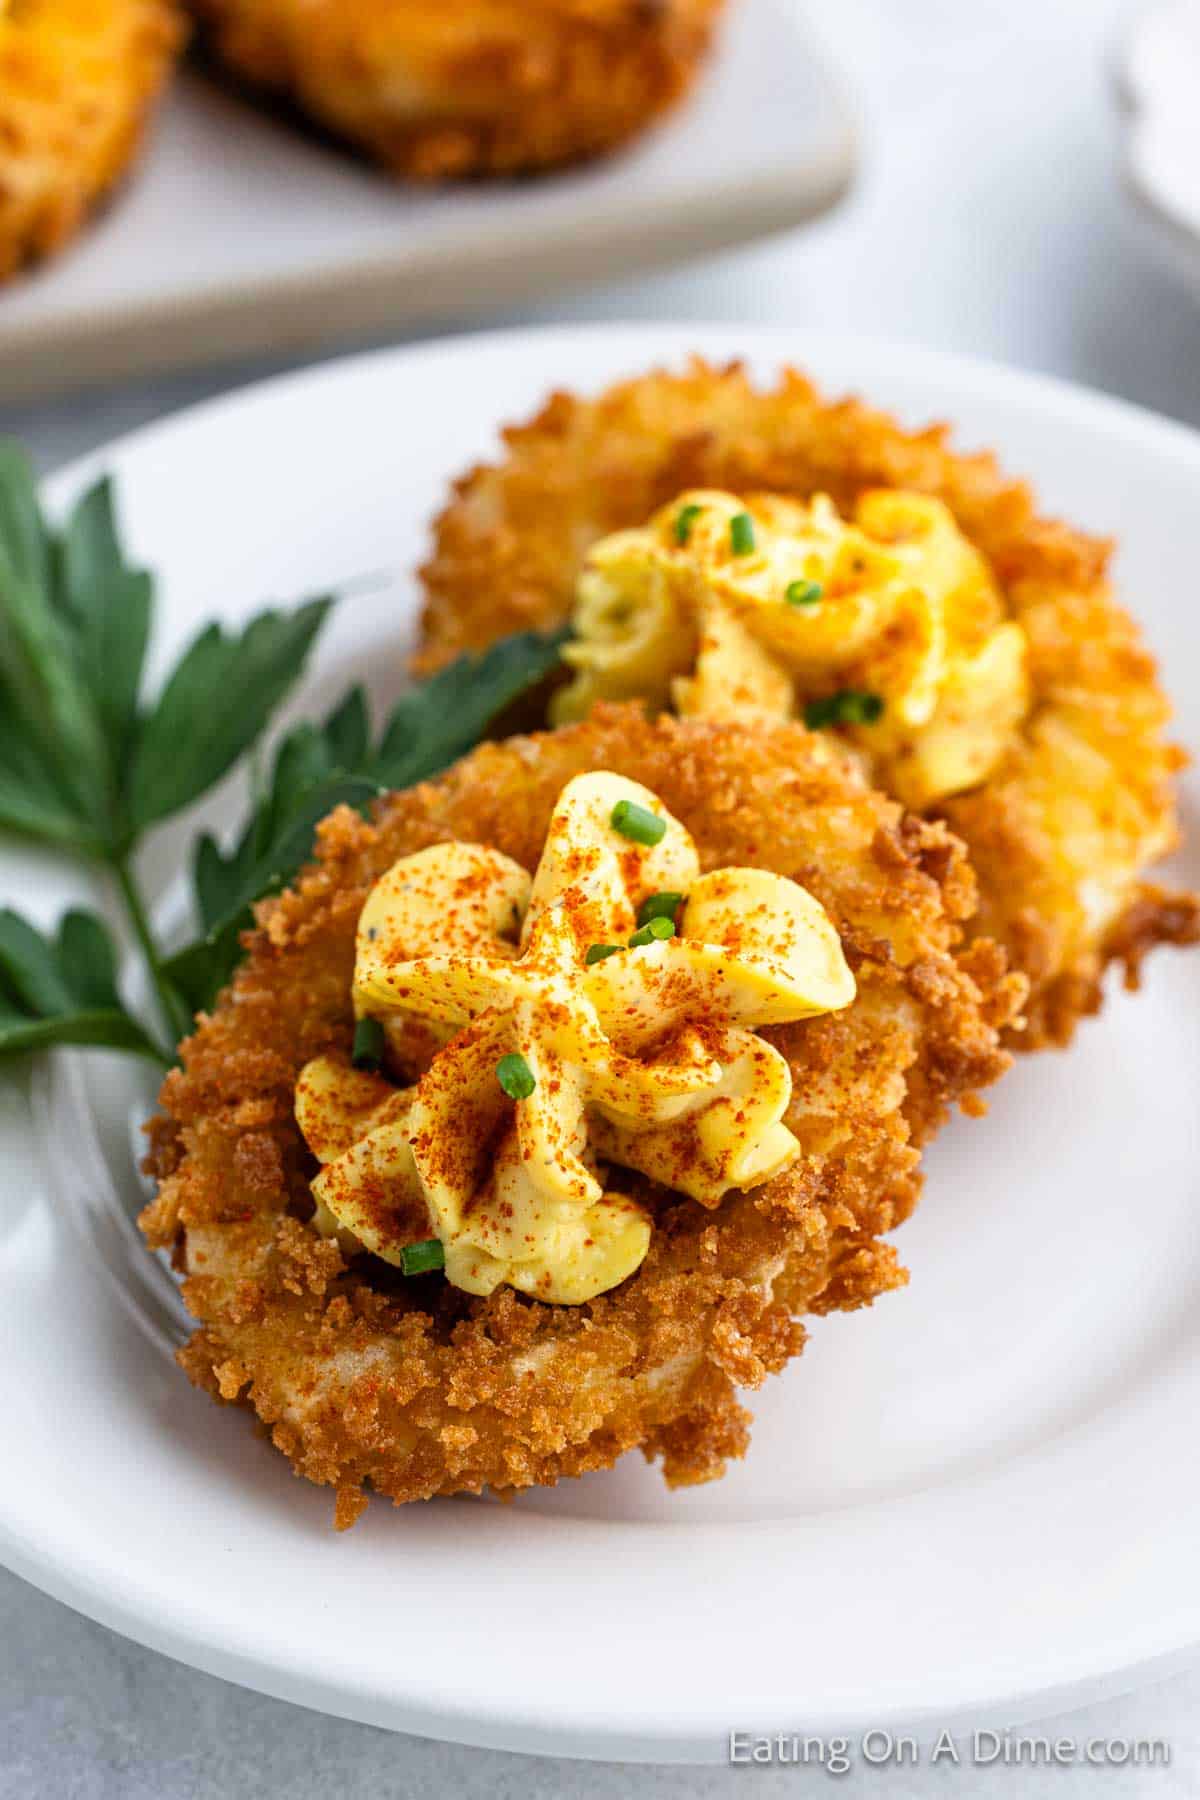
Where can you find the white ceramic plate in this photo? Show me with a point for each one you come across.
(1159, 86)
(975, 1501)
(241, 234)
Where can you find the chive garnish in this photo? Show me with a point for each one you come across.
(420, 1259)
(741, 533)
(369, 1041)
(598, 952)
(848, 707)
(663, 905)
(685, 518)
(515, 1076)
(803, 593)
(638, 823)
(656, 928)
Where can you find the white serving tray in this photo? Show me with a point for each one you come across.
(241, 234)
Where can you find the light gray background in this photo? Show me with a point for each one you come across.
(989, 218)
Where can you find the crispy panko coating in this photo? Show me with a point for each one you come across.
(78, 80)
(1062, 830)
(473, 87)
(421, 1389)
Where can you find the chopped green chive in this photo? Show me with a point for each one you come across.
(685, 518)
(515, 1076)
(638, 823)
(657, 928)
(863, 709)
(849, 707)
(803, 593)
(598, 952)
(659, 906)
(369, 1041)
(741, 533)
(419, 1259)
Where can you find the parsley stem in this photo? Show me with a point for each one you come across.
(175, 1014)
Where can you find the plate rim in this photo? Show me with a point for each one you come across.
(797, 344)
(484, 1727)
(675, 1739)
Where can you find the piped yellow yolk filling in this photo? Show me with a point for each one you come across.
(640, 1055)
(889, 624)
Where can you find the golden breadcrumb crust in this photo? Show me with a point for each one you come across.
(1085, 790)
(421, 1389)
(78, 79)
(482, 87)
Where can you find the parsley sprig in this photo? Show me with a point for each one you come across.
(318, 767)
(65, 991)
(89, 764)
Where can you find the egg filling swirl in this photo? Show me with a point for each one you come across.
(889, 624)
(603, 1012)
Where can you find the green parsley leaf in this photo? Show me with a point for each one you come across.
(85, 766)
(319, 767)
(109, 604)
(34, 802)
(27, 546)
(307, 758)
(201, 969)
(347, 732)
(78, 766)
(46, 703)
(444, 717)
(62, 991)
(215, 705)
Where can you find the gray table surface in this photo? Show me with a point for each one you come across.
(990, 219)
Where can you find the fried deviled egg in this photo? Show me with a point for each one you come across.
(550, 1100)
(474, 87)
(735, 551)
(78, 82)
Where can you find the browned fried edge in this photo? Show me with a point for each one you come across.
(35, 226)
(582, 86)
